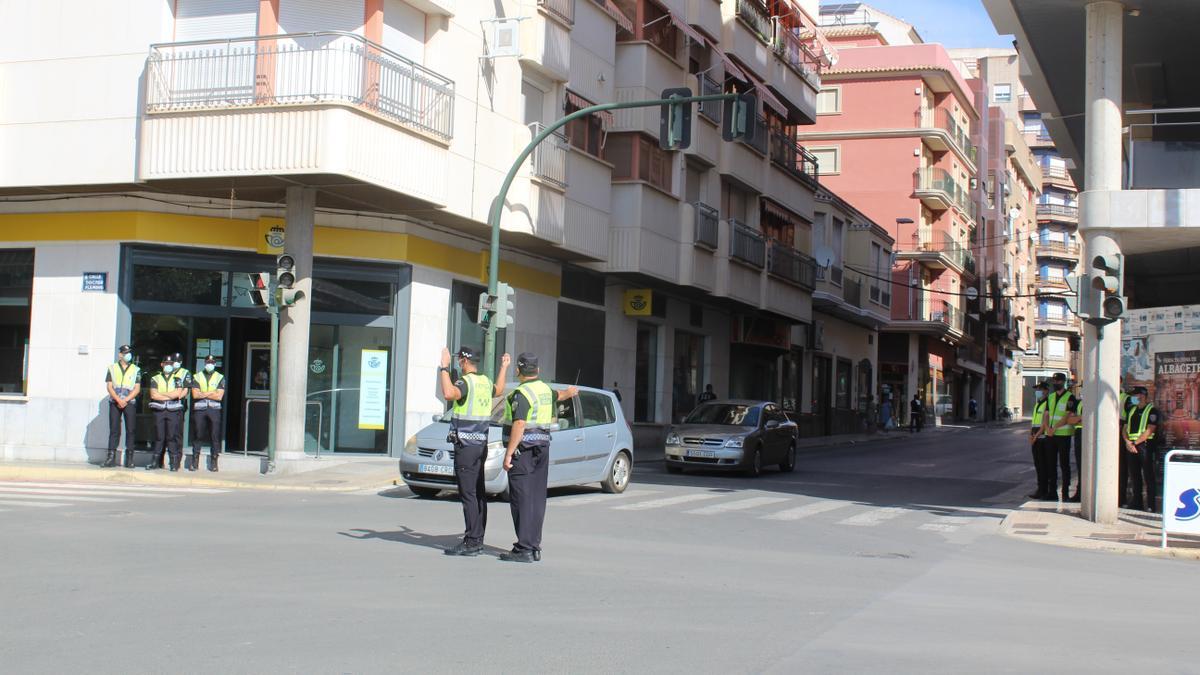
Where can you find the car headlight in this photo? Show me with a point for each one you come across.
(410, 448)
(672, 439)
(735, 442)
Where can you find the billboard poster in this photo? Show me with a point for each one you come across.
(1176, 394)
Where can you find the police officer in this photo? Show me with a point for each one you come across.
(916, 414)
(1037, 441)
(124, 383)
(531, 407)
(1141, 448)
(1058, 424)
(185, 381)
(1077, 442)
(166, 400)
(208, 390)
(1122, 463)
(471, 416)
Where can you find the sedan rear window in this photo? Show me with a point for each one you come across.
(729, 414)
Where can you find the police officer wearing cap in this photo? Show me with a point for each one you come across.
(166, 400)
(531, 409)
(1058, 426)
(1125, 406)
(124, 383)
(208, 390)
(185, 381)
(1037, 441)
(1141, 448)
(470, 418)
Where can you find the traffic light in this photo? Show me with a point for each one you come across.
(738, 117)
(485, 308)
(675, 120)
(1079, 299)
(285, 279)
(503, 308)
(260, 288)
(1107, 281)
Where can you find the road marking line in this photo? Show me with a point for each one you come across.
(874, 517)
(131, 486)
(84, 491)
(666, 501)
(807, 510)
(739, 505)
(577, 500)
(44, 505)
(72, 498)
(945, 524)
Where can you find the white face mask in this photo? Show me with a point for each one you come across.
(1134, 399)
(128, 357)
(1039, 394)
(177, 364)
(209, 367)
(168, 368)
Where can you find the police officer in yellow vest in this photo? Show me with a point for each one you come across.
(208, 391)
(166, 400)
(532, 408)
(1141, 447)
(124, 383)
(1058, 426)
(185, 380)
(1123, 463)
(471, 395)
(1077, 441)
(1037, 441)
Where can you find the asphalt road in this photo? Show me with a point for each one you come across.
(880, 557)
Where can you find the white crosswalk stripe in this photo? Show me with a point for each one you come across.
(874, 517)
(80, 491)
(807, 510)
(945, 523)
(740, 505)
(60, 497)
(580, 500)
(48, 495)
(667, 501)
(44, 505)
(98, 487)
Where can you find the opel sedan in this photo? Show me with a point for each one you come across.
(734, 435)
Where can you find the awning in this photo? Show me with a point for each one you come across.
(767, 97)
(782, 212)
(687, 29)
(615, 12)
(731, 68)
(606, 116)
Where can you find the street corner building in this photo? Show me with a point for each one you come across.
(159, 156)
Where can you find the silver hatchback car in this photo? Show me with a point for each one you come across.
(591, 443)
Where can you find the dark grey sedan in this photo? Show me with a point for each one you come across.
(734, 435)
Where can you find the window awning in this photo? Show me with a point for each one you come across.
(767, 97)
(606, 116)
(731, 68)
(783, 213)
(615, 12)
(695, 35)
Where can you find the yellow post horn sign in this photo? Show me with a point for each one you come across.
(638, 302)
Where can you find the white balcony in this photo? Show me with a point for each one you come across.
(546, 39)
(748, 34)
(644, 237)
(699, 228)
(705, 15)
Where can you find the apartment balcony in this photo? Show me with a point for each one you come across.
(879, 293)
(793, 159)
(1056, 248)
(935, 188)
(785, 262)
(941, 133)
(745, 160)
(854, 298)
(1065, 323)
(700, 227)
(302, 105)
(589, 206)
(948, 255)
(926, 317)
(647, 232)
(545, 38)
(705, 15)
(1025, 103)
(747, 245)
(1057, 176)
(706, 130)
(1038, 139)
(1059, 213)
(795, 71)
(750, 35)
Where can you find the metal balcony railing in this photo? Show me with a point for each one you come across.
(747, 244)
(852, 291)
(858, 17)
(1057, 247)
(949, 315)
(299, 69)
(933, 179)
(787, 263)
(1058, 211)
(961, 136)
(563, 9)
(754, 13)
(1163, 149)
(792, 50)
(707, 219)
(790, 156)
(1067, 320)
(548, 161)
(1056, 172)
(757, 137)
(709, 87)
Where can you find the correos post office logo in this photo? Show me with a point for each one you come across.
(1190, 509)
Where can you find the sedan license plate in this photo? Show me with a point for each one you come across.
(708, 454)
(437, 469)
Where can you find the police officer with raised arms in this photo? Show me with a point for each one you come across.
(124, 383)
(166, 400)
(471, 415)
(208, 390)
(532, 408)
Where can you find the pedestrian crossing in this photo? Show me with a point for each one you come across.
(789, 509)
(15, 495)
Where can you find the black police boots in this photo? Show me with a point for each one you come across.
(128, 464)
(154, 463)
(176, 460)
(520, 556)
(212, 462)
(193, 462)
(464, 549)
(110, 460)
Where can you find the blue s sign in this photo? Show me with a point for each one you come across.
(1190, 509)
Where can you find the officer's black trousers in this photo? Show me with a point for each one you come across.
(1078, 443)
(1062, 453)
(1039, 463)
(166, 434)
(1143, 472)
(527, 496)
(1122, 473)
(468, 470)
(206, 427)
(117, 415)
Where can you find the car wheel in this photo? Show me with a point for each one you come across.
(424, 492)
(754, 469)
(788, 464)
(619, 475)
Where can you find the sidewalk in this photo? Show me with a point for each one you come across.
(338, 477)
(1060, 524)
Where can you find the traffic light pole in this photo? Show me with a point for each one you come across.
(273, 310)
(497, 210)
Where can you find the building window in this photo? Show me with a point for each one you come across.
(645, 385)
(842, 392)
(182, 285)
(638, 157)
(689, 374)
(829, 160)
(16, 296)
(829, 101)
(586, 134)
(580, 345)
(1001, 93)
(1056, 348)
(583, 285)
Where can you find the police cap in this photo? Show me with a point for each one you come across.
(124, 349)
(1041, 385)
(210, 359)
(1060, 377)
(527, 363)
(1139, 390)
(177, 357)
(468, 354)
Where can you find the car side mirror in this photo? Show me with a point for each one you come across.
(555, 426)
(772, 424)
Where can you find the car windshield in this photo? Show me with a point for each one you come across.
(728, 414)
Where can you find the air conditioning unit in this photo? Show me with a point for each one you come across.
(504, 37)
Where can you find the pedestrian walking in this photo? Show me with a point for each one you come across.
(706, 395)
(124, 383)
(972, 408)
(208, 392)
(1037, 441)
(1141, 447)
(1058, 422)
(166, 400)
(531, 409)
(471, 414)
(916, 414)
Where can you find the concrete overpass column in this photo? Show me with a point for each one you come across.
(1102, 172)
(294, 326)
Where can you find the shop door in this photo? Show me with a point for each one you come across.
(822, 394)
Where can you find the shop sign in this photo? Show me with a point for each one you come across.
(95, 281)
(372, 384)
(1181, 494)
(638, 302)
(761, 331)
(272, 235)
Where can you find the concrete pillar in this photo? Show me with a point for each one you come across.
(1101, 363)
(294, 326)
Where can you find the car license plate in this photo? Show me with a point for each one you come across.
(701, 453)
(437, 469)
